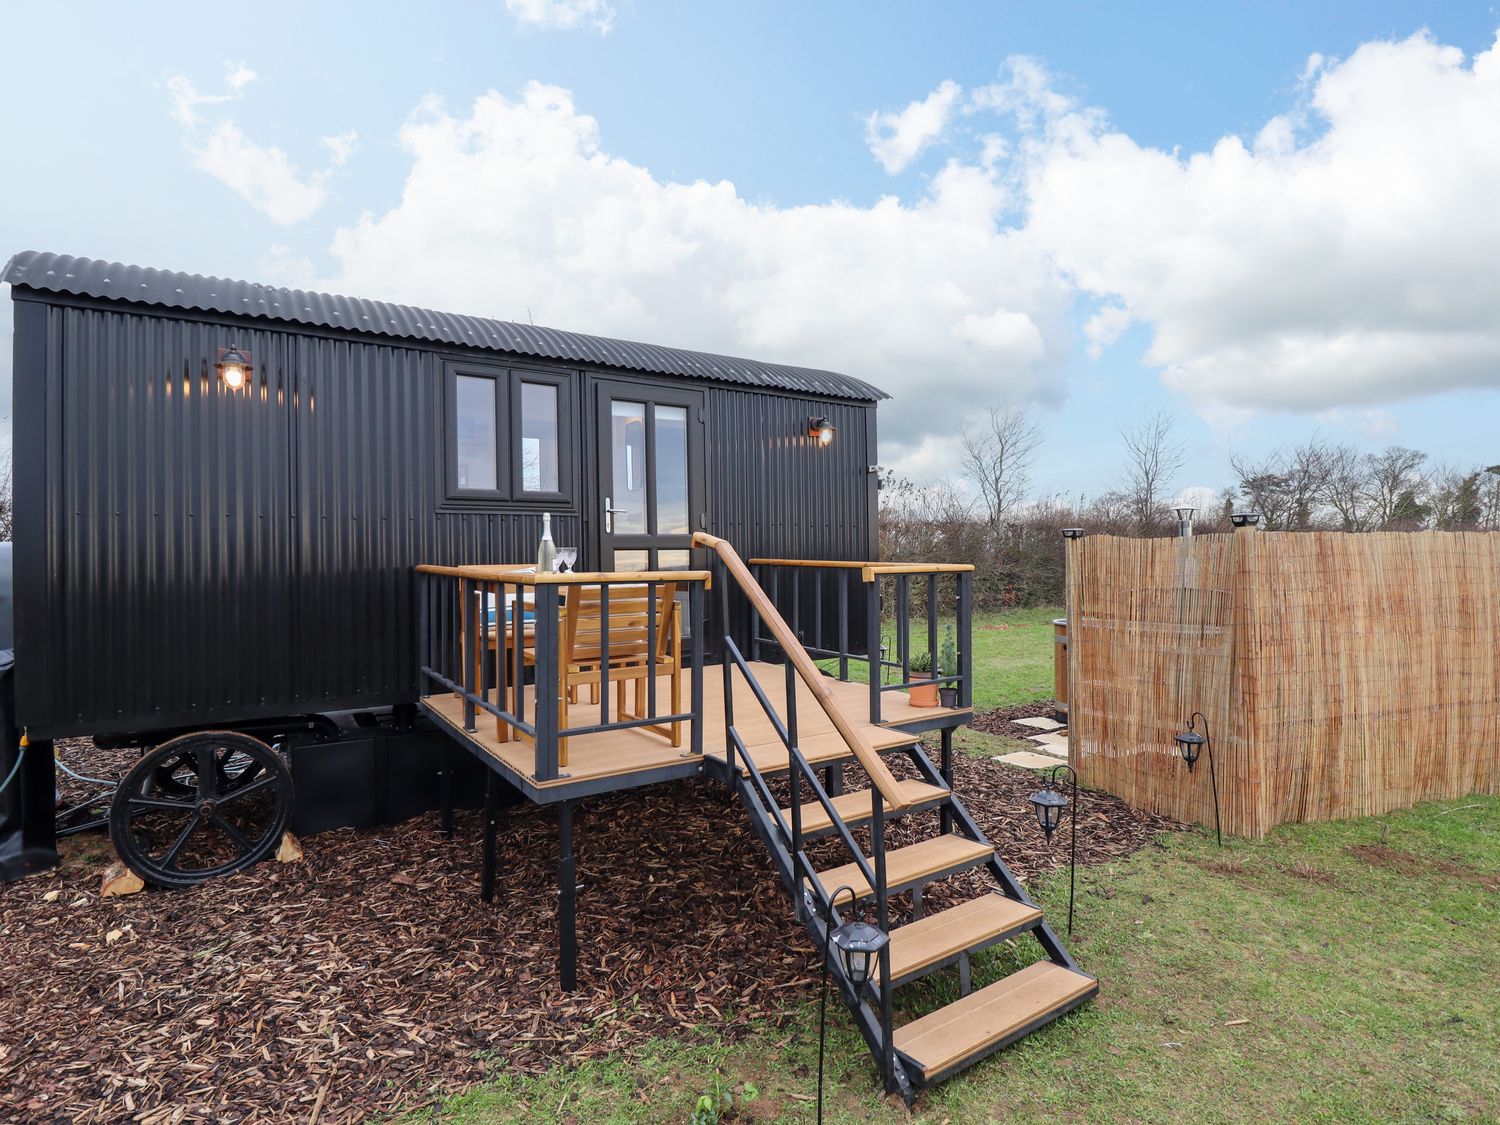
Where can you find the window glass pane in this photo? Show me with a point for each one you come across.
(631, 560)
(627, 495)
(539, 454)
(672, 560)
(475, 432)
(671, 470)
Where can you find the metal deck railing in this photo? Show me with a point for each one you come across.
(486, 633)
(803, 591)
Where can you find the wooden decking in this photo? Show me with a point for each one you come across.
(622, 753)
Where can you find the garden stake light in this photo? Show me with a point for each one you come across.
(1049, 805)
(1191, 743)
(859, 944)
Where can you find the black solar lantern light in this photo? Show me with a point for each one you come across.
(1049, 806)
(821, 430)
(1072, 533)
(1244, 519)
(1191, 744)
(859, 945)
(234, 368)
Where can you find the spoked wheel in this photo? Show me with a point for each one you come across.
(201, 805)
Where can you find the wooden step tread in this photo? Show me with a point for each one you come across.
(981, 1019)
(962, 928)
(818, 749)
(916, 863)
(856, 807)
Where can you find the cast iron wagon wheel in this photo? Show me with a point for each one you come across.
(201, 805)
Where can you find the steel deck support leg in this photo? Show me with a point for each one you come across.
(946, 814)
(487, 884)
(445, 785)
(567, 900)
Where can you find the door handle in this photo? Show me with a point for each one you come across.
(609, 515)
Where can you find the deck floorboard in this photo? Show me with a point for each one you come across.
(621, 753)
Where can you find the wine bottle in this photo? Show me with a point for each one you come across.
(546, 550)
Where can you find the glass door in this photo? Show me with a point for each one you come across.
(651, 475)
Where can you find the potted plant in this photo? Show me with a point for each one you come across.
(922, 694)
(948, 693)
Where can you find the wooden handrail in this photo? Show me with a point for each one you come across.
(869, 571)
(880, 774)
(844, 564)
(521, 576)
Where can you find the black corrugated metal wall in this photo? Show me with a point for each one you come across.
(206, 556)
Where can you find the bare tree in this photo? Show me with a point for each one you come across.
(7, 499)
(1455, 498)
(1287, 486)
(1346, 487)
(1396, 485)
(1153, 457)
(1263, 485)
(998, 455)
(1489, 498)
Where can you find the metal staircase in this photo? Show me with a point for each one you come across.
(932, 1047)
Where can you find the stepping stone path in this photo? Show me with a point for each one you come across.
(1050, 742)
(1029, 760)
(1041, 723)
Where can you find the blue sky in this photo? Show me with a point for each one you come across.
(711, 175)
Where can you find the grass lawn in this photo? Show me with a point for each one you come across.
(1337, 972)
(1012, 656)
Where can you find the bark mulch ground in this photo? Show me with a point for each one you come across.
(370, 976)
(1002, 720)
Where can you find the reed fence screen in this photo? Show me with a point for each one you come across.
(1341, 675)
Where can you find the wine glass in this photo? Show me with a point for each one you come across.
(566, 557)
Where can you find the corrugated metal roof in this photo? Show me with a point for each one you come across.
(61, 273)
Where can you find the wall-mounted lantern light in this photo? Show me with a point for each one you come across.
(821, 430)
(233, 368)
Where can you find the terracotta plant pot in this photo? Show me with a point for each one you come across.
(923, 694)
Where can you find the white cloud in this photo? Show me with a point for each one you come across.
(515, 203)
(1201, 496)
(1353, 264)
(186, 97)
(237, 76)
(1373, 424)
(340, 148)
(1343, 259)
(896, 139)
(264, 176)
(563, 15)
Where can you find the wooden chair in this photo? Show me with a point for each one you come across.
(583, 654)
